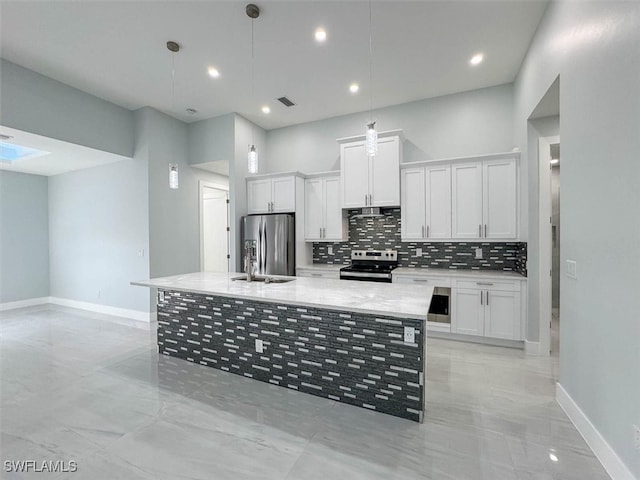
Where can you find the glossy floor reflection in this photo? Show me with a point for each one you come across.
(79, 386)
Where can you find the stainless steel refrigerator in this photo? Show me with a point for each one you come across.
(275, 243)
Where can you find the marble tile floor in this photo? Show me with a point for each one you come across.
(80, 386)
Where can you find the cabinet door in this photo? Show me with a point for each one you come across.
(412, 205)
(502, 315)
(438, 202)
(258, 195)
(355, 174)
(500, 201)
(313, 209)
(466, 199)
(283, 194)
(334, 223)
(384, 173)
(467, 314)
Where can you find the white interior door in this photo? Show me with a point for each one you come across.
(438, 201)
(314, 206)
(215, 230)
(466, 185)
(355, 174)
(499, 180)
(384, 173)
(333, 220)
(412, 204)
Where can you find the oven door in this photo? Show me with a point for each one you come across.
(366, 276)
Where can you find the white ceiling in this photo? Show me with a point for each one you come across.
(63, 157)
(116, 50)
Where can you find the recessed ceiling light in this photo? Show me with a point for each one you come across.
(266, 110)
(476, 59)
(553, 457)
(354, 87)
(213, 72)
(321, 35)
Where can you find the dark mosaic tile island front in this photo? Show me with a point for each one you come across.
(355, 358)
(383, 233)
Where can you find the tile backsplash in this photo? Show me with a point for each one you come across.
(384, 233)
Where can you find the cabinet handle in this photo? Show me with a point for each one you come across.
(423, 230)
(366, 200)
(480, 230)
(324, 232)
(487, 298)
(485, 230)
(427, 231)
(273, 206)
(370, 199)
(484, 283)
(481, 298)
(320, 232)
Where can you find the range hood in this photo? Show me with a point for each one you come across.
(369, 212)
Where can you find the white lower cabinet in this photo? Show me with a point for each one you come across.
(487, 309)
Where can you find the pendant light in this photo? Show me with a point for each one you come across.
(174, 48)
(371, 135)
(252, 159)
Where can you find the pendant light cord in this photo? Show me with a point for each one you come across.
(173, 81)
(253, 81)
(370, 67)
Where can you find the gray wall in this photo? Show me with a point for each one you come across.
(469, 123)
(24, 237)
(174, 223)
(212, 140)
(593, 46)
(34, 103)
(98, 223)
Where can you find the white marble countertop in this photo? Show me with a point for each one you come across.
(322, 267)
(404, 301)
(451, 273)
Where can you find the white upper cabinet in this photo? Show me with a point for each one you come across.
(324, 219)
(371, 181)
(499, 198)
(470, 198)
(275, 194)
(466, 186)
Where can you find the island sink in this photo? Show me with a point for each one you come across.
(264, 279)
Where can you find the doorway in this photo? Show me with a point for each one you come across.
(214, 228)
(555, 248)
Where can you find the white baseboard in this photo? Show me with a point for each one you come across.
(615, 467)
(30, 302)
(531, 348)
(106, 309)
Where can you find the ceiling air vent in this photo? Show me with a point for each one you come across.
(286, 102)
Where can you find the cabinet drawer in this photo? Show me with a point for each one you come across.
(481, 284)
(434, 281)
(318, 273)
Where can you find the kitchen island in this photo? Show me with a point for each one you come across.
(343, 340)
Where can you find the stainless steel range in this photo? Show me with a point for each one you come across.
(370, 265)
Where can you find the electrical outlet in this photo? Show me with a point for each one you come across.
(636, 437)
(572, 269)
(418, 252)
(330, 249)
(478, 253)
(409, 335)
(160, 296)
(259, 346)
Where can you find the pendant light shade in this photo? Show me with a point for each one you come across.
(371, 140)
(252, 161)
(174, 182)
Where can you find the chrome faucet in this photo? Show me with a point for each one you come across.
(249, 258)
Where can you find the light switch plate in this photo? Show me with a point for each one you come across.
(160, 296)
(636, 437)
(409, 335)
(572, 270)
(478, 253)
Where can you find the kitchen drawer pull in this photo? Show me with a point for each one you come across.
(423, 280)
(483, 283)
(316, 274)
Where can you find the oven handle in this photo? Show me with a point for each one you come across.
(364, 275)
